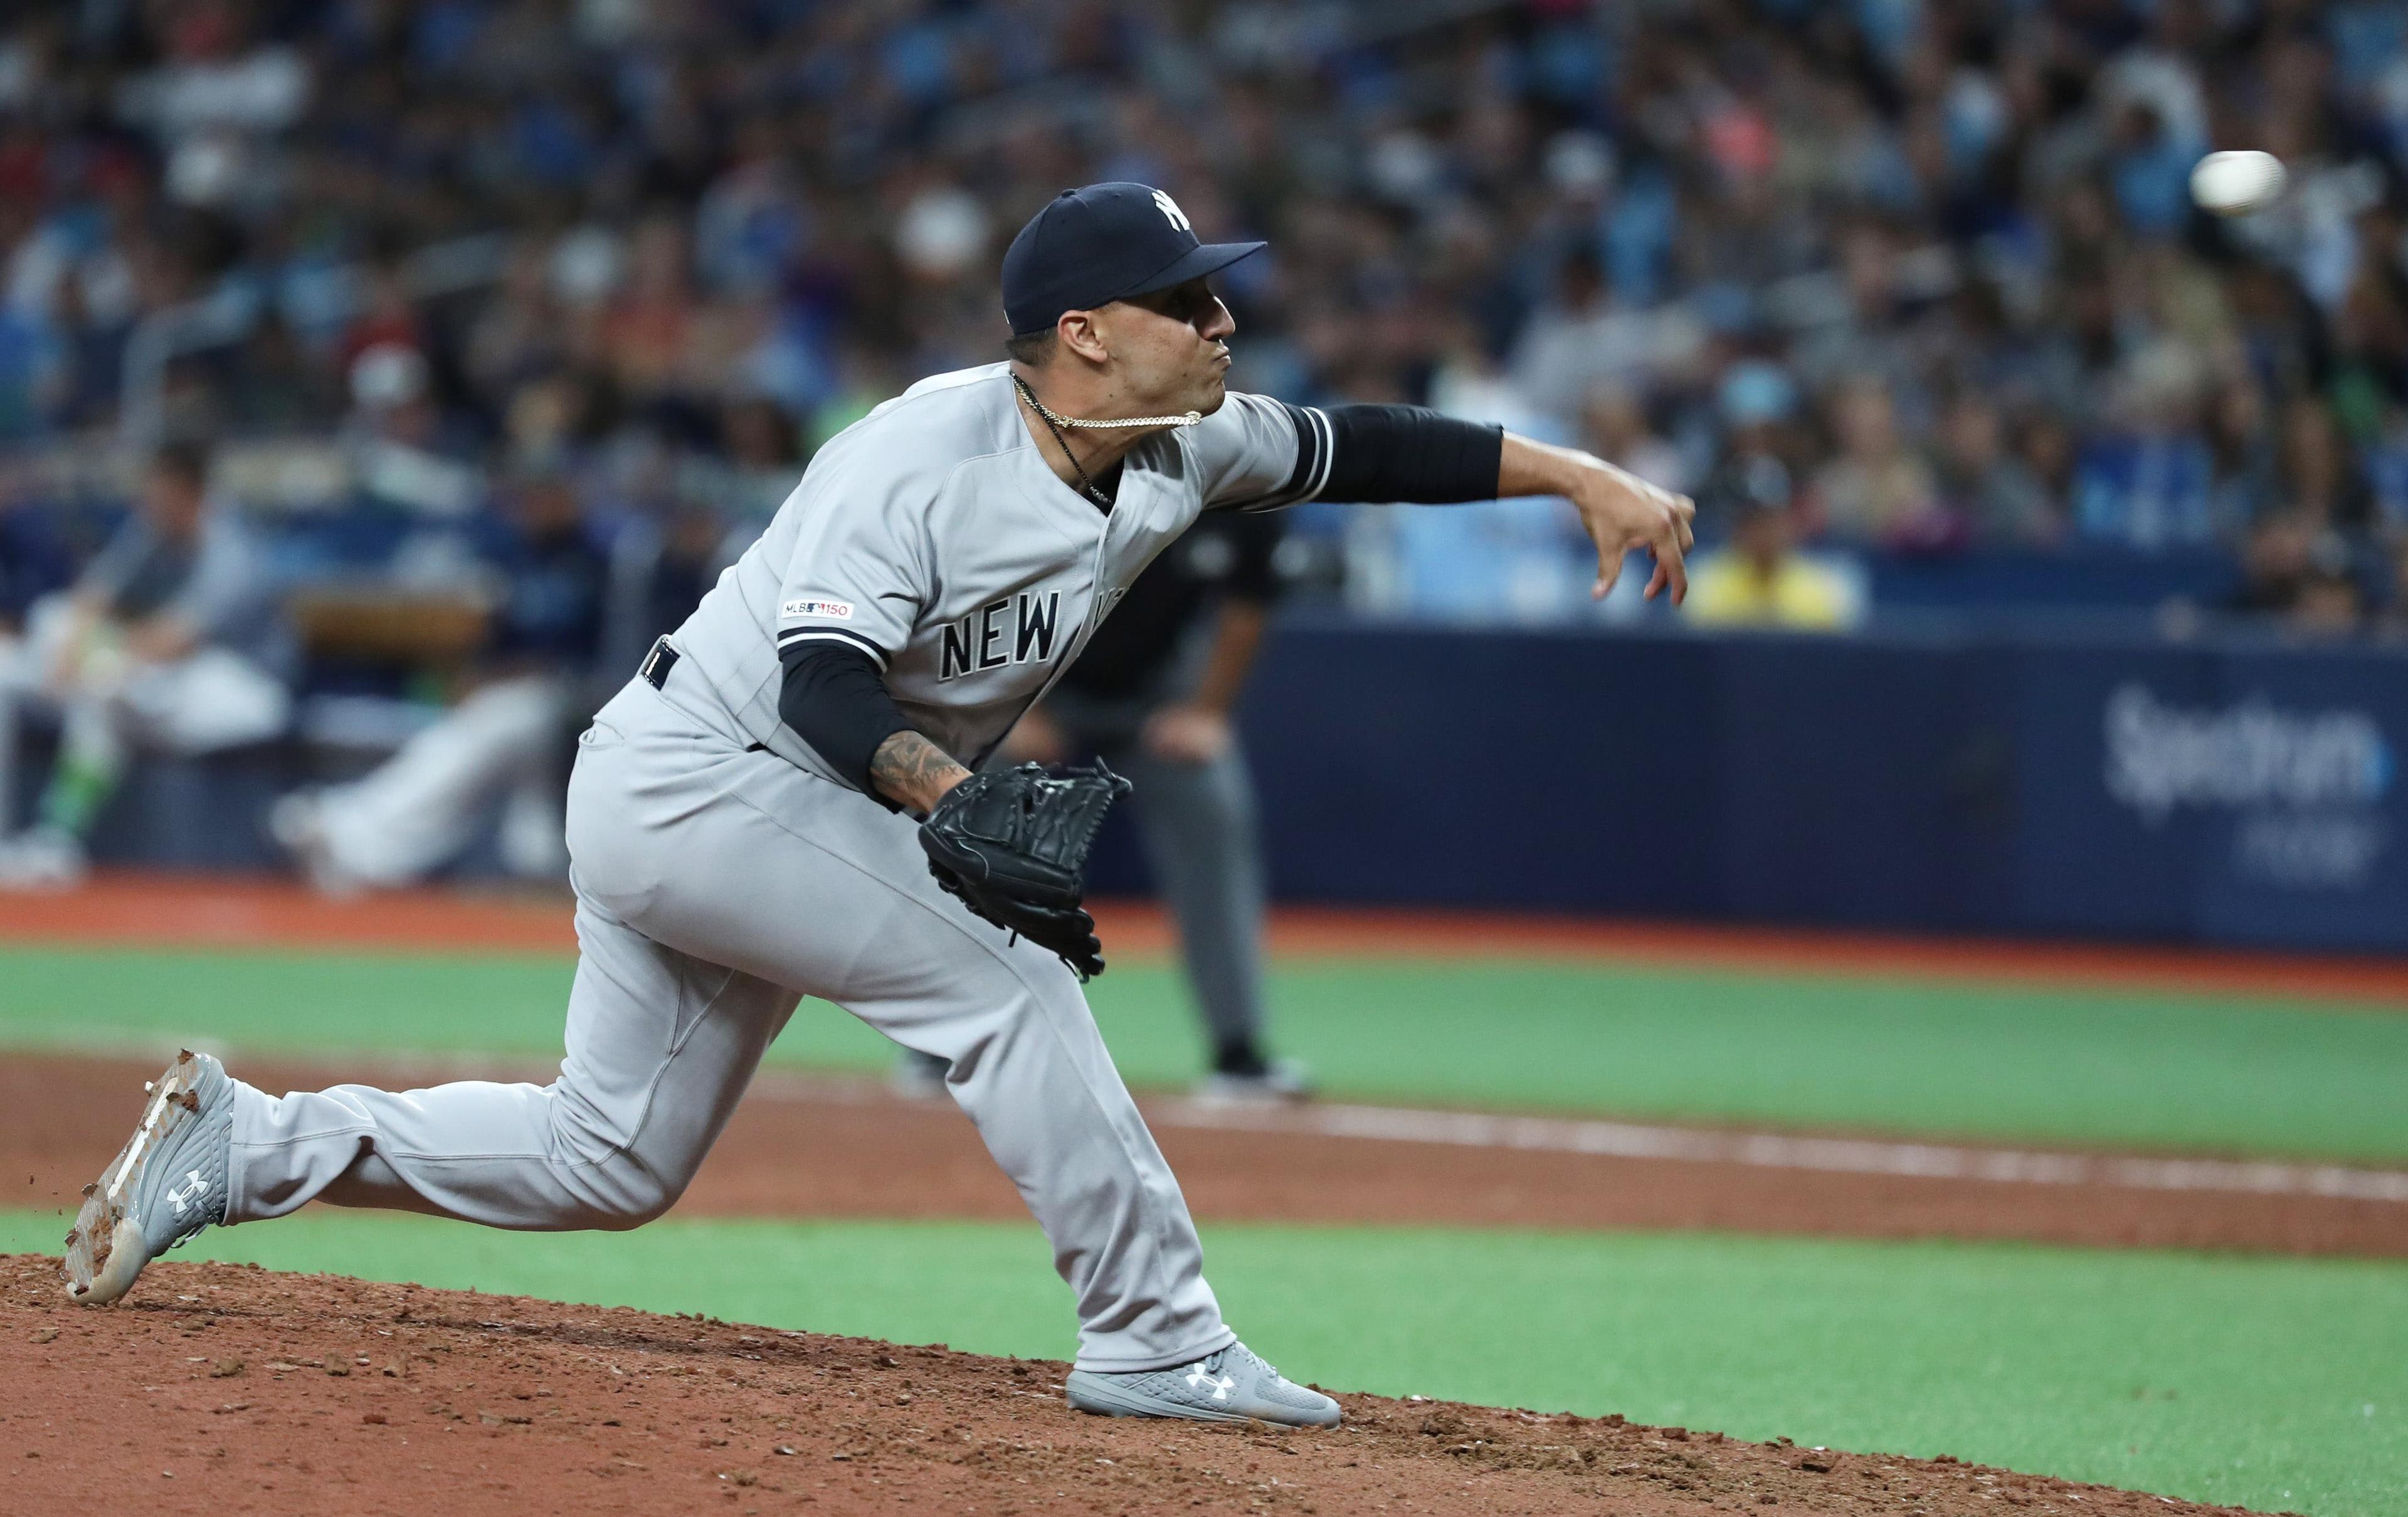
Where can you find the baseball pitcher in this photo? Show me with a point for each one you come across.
(783, 804)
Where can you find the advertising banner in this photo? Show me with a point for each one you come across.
(2234, 792)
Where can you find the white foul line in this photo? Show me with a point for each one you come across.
(1763, 1150)
(1769, 1150)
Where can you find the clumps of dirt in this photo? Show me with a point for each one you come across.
(309, 1394)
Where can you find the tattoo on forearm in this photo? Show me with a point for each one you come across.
(913, 770)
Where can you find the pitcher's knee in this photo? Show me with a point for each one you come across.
(994, 1030)
(611, 1183)
(621, 1193)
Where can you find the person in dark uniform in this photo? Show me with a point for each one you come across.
(1152, 695)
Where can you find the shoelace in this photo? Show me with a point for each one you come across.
(207, 1222)
(1213, 1363)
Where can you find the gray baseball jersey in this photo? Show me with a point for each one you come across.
(716, 883)
(933, 536)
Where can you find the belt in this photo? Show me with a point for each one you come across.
(654, 670)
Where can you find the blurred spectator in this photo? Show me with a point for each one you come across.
(2318, 472)
(1496, 561)
(169, 640)
(1759, 579)
(2275, 562)
(1984, 489)
(505, 744)
(2331, 602)
(695, 544)
(282, 393)
(2241, 478)
(1875, 491)
(1584, 337)
(2393, 622)
(1756, 403)
(649, 331)
(521, 336)
(2152, 169)
(2046, 451)
(403, 452)
(756, 467)
(1613, 425)
(2146, 481)
(1864, 336)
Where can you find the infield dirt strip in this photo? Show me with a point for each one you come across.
(805, 1146)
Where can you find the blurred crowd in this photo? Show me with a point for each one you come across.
(1897, 277)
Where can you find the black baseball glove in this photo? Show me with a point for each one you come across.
(1012, 844)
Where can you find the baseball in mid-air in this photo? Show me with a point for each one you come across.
(2237, 183)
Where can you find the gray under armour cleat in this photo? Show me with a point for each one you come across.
(168, 1183)
(1230, 1386)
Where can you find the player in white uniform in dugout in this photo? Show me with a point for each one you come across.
(741, 815)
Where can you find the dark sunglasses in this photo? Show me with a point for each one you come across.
(1189, 303)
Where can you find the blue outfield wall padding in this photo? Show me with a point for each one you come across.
(2085, 860)
(2230, 790)
(2316, 855)
(2098, 576)
(1501, 768)
(1791, 714)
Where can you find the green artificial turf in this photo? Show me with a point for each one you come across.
(2277, 1383)
(2110, 1068)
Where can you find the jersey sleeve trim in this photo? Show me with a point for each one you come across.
(1313, 455)
(792, 636)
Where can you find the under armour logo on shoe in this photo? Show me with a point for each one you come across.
(1222, 1384)
(192, 1189)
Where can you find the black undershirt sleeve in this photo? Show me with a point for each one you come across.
(1254, 575)
(1402, 453)
(836, 701)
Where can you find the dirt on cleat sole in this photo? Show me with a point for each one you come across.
(106, 1250)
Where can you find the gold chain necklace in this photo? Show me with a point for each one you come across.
(1057, 421)
(1054, 424)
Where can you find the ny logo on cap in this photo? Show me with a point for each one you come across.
(1172, 213)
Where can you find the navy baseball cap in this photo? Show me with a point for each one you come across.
(1106, 243)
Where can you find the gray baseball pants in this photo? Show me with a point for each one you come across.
(715, 887)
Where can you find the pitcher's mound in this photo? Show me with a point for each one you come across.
(223, 1389)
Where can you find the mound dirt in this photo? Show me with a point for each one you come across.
(238, 1390)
